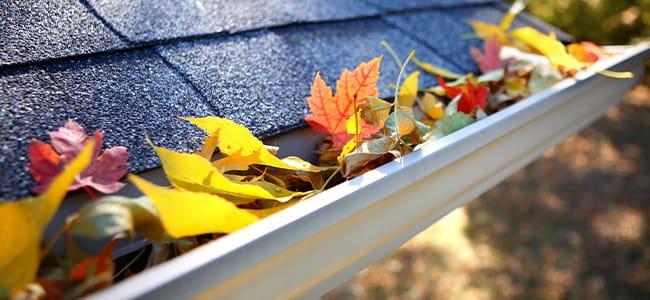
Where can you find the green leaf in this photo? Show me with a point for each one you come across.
(452, 123)
(115, 216)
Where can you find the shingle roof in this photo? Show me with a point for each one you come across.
(128, 67)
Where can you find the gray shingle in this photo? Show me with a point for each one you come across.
(126, 96)
(398, 5)
(443, 30)
(262, 79)
(30, 104)
(35, 30)
(143, 20)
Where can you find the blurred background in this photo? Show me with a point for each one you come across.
(575, 224)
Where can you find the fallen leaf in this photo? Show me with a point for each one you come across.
(103, 174)
(453, 121)
(94, 266)
(487, 31)
(489, 59)
(329, 113)
(111, 217)
(434, 108)
(435, 70)
(408, 92)
(401, 122)
(548, 46)
(241, 147)
(471, 96)
(24, 221)
(586, 52)
(369, 155)
(185, 213)
(195, 173)
(375, 111)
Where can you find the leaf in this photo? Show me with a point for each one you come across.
(586, 52)
(111, 217)
(548, 46)
(401, 122)
(435, 70)
(452, 122)
(95, 266)
(471, 96)
(375, 111)
(369, 155)
(104, 172)
(486, 31)
(431, 106)
(329, 113)
(24, 221)
(185, 213)
(408, 92)
(512, 13)
(488, 60)
(195, 173)
(543, 76)
(241, 147)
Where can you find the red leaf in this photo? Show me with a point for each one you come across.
(472, 96)
(329, 113)
(93, 266)
(102, 174)
(489, 60)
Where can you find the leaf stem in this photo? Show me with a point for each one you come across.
(392, 53)
(397, 87)
(130, 263)
(322, 188)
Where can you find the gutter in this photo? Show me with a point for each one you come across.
(313, 246)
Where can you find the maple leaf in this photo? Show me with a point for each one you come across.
(489, 59)
(24, 221)
(330, 112)
(471, 96)
(46, 161)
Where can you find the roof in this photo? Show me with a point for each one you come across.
(128, 67)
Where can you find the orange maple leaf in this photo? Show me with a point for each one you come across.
(329, 112)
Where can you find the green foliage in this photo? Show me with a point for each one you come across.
(601, 21)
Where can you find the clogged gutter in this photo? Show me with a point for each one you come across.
(212, 197)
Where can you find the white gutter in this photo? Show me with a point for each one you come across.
(307, 249)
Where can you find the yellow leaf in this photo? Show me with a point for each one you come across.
(185, 213)
(265, 212)
(195, 173)
(353, 124)
(435, 70)
(347, 149)
(408, 92)
(548, 46)
(24, 221)
(514, 10)
(432, 107)
(235, 139)
(487, 31)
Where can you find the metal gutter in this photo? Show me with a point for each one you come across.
(307, 249)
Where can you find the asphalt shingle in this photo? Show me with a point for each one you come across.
(36, 30)
(262, 79)
(126, 96)
(144, 21)
(443, 30)
(398, 5)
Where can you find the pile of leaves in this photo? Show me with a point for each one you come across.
(236, 180)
